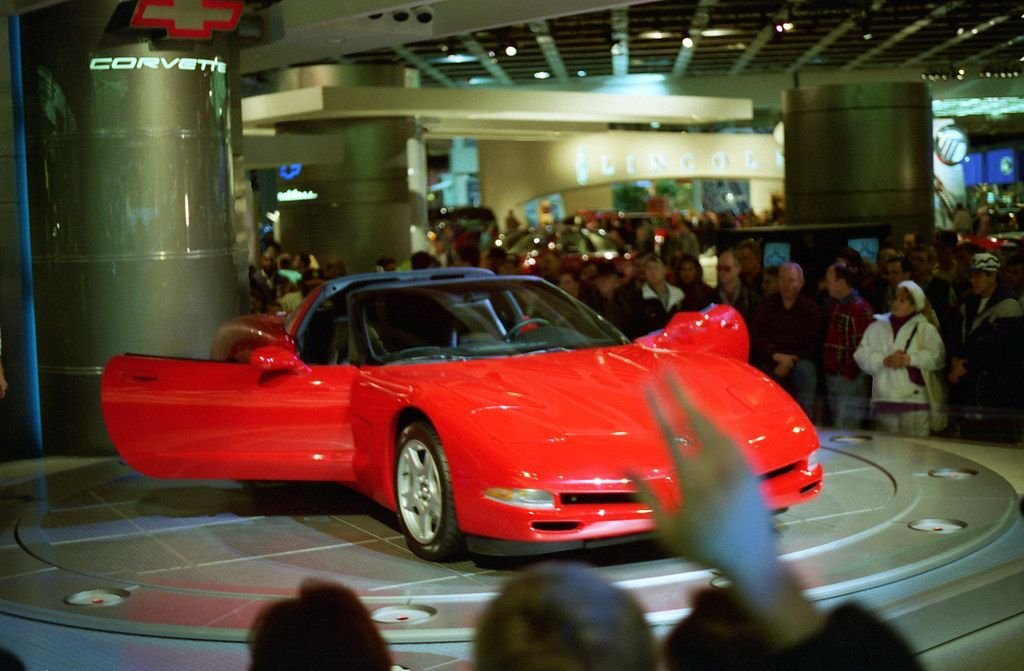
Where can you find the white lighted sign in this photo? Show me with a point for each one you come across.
(158, 63)
(951, 145)
(662, 163)
(295, 194)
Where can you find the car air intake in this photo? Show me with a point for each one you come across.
(599, 498)
(555, 526)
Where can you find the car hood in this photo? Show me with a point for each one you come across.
(599, 391)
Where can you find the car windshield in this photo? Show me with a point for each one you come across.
(475, 319)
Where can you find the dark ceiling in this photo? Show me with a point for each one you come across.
(729, 37)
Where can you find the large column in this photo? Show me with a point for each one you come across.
(369, 203)
(19, 410)
(131, 203)
(859, 154)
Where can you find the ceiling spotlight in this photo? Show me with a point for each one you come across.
(511, 49)
(617, 49)
(688, 42)
(865, 26)
(541, 75)
(581, 73)
(424, 14)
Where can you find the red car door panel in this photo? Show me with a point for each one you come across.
(186, 418)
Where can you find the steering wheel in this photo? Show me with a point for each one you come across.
(518, 327)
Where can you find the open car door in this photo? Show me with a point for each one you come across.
(271, 419)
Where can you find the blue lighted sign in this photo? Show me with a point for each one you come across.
(290, 171)
(1000, 166)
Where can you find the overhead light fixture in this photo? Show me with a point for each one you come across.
(456, 58)
(719, 32)
(541, 75)
(617, 49)
(865, 26)
(511, 49)
(581, 73)
(688, 42)
(655, 35)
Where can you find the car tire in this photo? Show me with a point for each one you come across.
(423, 495)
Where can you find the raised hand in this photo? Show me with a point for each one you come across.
(723, 522)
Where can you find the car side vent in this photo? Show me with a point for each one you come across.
(778, 471)
(598, 498)
(555, 526)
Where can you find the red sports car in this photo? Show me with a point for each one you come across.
(494, 414)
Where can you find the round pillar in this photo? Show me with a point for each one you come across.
(131, 203)
(859, 154)
(370, 203)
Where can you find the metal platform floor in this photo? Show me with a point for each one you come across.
(101, 568)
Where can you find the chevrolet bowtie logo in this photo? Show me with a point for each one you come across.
(188, 19)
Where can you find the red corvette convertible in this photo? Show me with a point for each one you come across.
(494, 414)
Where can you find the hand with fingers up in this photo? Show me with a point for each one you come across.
(723, 522)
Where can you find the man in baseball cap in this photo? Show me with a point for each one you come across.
(987, 356)
(985, 262)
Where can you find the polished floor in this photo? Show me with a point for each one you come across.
(101, 568)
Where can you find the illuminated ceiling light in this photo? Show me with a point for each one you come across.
(867, 36)
(719, 32)
(655, 125)
(960, 30)
(655, 35)
(787, 26)
(541, 75)
(511, 50)
(688, 42)
(581, 73)
(617, 49)
(456, 58)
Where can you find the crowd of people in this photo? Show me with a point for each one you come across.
(567, 617)
(928, 339)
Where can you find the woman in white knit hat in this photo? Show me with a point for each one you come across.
(899, 350)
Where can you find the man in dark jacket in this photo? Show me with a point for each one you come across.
(986, 350)
(785, 337)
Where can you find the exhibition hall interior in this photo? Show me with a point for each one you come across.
(475, 334)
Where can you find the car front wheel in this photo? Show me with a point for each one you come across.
(423, 493)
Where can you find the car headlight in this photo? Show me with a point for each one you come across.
(812, 460)
(523, 498)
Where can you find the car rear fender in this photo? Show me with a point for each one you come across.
(717, 329)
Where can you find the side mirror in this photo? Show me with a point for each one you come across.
(276, 358)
